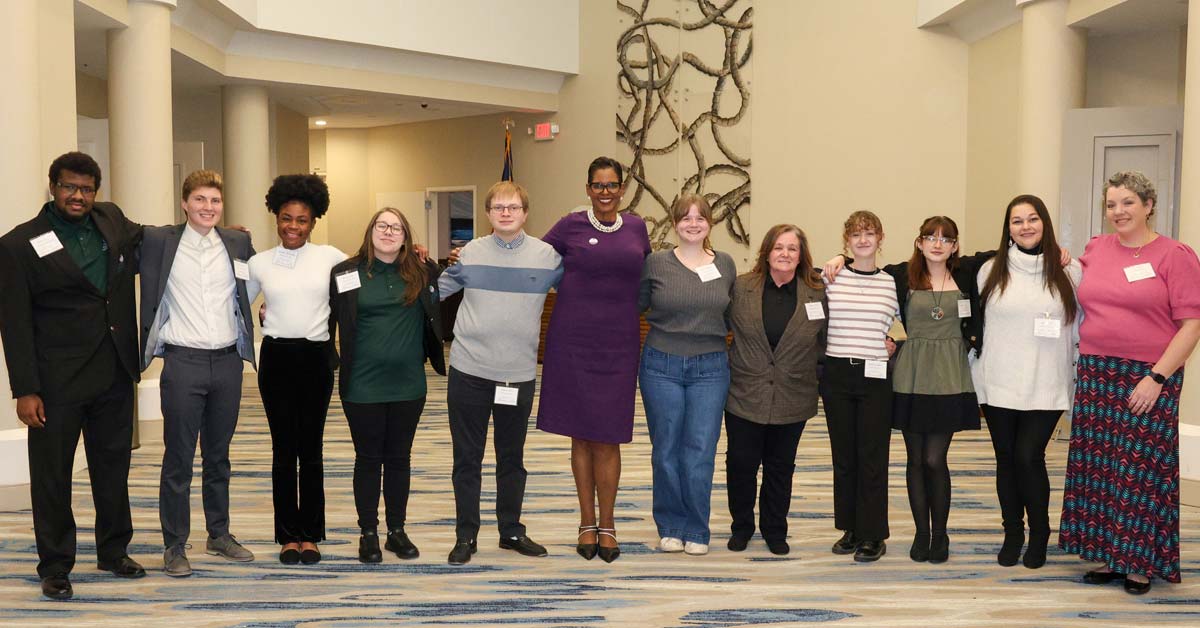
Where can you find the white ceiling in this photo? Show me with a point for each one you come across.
(1134, 16)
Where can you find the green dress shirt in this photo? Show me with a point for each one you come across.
(389, 355)
(83, 243)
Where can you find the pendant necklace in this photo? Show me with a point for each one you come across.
(937, 313)
(1138, 252)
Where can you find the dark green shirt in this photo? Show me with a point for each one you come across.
(389, 355)
(83, 243)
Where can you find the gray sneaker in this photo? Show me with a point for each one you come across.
(228, 548)
(175, 562)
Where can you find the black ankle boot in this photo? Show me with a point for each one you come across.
(368, 547)
(1010, 551)
(920, 547)
(939, 548)
(1035, 555)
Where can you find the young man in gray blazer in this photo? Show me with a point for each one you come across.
(195, 315)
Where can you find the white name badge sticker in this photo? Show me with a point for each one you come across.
(286, 257)
(506, 395)
(1044, 327)
(964, 308)
(814, 310)
(1139, 272)
(875, 369)
(241, 270)
(708, 272)
(46, 244)
(348, 281)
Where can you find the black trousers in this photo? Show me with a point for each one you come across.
(107, 426)
(1019, 438)
(772, 447)
(858, 412)
(470, 401)
(296, 381)
(383, 437)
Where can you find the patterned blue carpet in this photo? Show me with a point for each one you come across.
(642, 588)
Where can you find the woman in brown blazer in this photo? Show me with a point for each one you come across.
(778, 321)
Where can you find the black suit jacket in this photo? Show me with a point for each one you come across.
(344, 313)
(55, 323)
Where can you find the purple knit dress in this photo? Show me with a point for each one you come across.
(589, 372)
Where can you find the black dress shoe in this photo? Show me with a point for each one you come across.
(778, 547)
(939, 549)
(586, 550)
(460, 554)
(920, 548)
(310, 556)
(524, 546)
(368, 548)
(57, 587)
(1133, 587)
(870, 551)
(123, 567)
(290, 556)
(1102, 577)
(847, 544)
(608, 554)
(738, 543)
(399, 544)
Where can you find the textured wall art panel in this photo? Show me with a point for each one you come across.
(683, 115)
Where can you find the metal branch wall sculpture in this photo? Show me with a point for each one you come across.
(684, 82)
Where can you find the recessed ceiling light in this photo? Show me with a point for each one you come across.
(320, 123)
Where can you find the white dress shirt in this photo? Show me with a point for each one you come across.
(295, 285)
(201, 294)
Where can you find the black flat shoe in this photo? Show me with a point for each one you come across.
(524, 546)
(1102, 577)
(738, 543)
(123, 567)
(939, 549)
(310, 556)
(1010, 550)
(848, 544)
(1035, 554)
(57, 587)
(460, 554)
(368, 548)
(870, 551)
(1133, 587)
(290, 556)
(607, 554)
(587, 550)
(920, 548)
(778, 547)
(399, 544)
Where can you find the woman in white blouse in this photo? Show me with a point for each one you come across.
(1023, 375)
(295, 376)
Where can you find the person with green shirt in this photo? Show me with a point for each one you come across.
(385, 301)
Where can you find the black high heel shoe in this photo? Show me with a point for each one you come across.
(587, 550)
(607, 554)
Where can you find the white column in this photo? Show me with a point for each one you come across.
(1053, 72)
(1189, 232)
(246, 139)
(141, 134)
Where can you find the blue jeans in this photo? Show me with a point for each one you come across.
(684, 399)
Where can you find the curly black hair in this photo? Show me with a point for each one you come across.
(79, 163)
(305, 188)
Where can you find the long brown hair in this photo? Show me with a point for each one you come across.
(683, 205)
(918, 270)
(411, 270)
(1055, 276)
(804, 269)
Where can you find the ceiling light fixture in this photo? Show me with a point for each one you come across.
(320, 123)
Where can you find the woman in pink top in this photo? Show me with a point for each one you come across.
(1140, 295)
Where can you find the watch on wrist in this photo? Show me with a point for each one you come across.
(1159, 379)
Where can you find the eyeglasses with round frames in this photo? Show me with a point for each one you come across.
(392, 228)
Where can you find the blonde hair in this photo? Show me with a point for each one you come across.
(1135, 182)
(859, 221)
(506, 188)
(202, 179)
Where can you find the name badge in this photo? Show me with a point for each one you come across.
(286, 257)
(964, 308)
(46, 244)
(241, 270)
(708, 272)
(1046, 327)
(506, 395)
(348, 281)
(875, 369)
(814, 310)
(1139, 272)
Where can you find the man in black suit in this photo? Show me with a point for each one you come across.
(70, 341)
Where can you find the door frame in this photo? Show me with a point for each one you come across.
(431, 223)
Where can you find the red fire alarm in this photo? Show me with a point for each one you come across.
(545, 131)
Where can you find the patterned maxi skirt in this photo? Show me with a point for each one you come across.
(1121, 496)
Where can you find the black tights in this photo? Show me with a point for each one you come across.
(1020, 438)
(928, 480)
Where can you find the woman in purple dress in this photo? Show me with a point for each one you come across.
(589, 372)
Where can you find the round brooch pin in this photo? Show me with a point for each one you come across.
(593, 241)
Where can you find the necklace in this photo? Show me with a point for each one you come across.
(602, 228)
(1138, 252)
(936, 312)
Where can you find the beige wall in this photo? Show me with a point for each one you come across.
(1134, 70)
(350, 201)
(197, 117)
(289, 148)
(91, 96)
(994, 81)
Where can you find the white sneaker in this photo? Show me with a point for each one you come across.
(670, 544)
(695, 549)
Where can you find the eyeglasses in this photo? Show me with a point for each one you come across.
(611, 186)
(930, 239)
(512, 209)
(386, 228)
(71, 188)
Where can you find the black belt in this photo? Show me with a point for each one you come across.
(194, 351)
